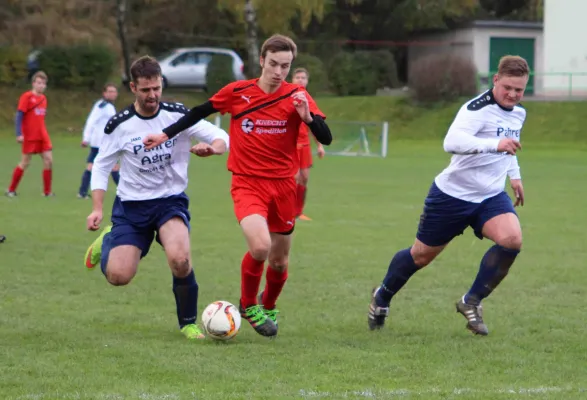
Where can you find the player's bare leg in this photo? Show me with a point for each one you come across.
(506, 232)
(120, 264)
(17, 174)
(175, 238)
(47, 157)
(258, 239)
(277, 272)
(404, 264)
(302, 178)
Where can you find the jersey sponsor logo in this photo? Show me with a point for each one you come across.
(154, 156)
(270, 126)
(40, 111)
(247, 126)
(508, 132)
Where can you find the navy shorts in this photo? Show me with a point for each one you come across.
(136, 222)
(445, 217)
(92, 155)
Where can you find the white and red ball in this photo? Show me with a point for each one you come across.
(221, 320)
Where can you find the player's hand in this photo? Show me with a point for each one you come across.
(509, 146)
(19, 139)
(84, 144)
(154, 140)
(203, 150)
(518, 191)
(300, 102)
(321, 151)
(94, 220)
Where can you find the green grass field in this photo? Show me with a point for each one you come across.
(66, 334)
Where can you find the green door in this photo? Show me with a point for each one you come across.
(501, 46)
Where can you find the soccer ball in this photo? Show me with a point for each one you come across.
(221, 320)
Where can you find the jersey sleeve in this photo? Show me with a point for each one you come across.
(105, 160)
(23, 102)
(207, 132)
(461, 136)
(514, 169)
(314, 107)
(222, 100)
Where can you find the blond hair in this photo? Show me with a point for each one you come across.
(301, 70)
(41, 75)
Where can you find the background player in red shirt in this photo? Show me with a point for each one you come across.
(32, 133)
(301, 77)
(266, 116)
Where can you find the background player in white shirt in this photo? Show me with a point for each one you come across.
(484, 138)
(101, 112)
(150, 196)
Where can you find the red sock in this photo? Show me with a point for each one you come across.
(47, 177)
(16, 176)
(251, 273)
(274, 284)
(301, 199)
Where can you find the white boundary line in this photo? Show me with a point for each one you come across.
(312, 394)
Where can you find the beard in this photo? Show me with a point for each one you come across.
(150, 106)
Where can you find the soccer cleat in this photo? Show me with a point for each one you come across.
(94, 252)
(192, 332)
(304, 217)
(474, 316)
(377, 315)
(49, 194)
(272, 314)
(262, 324)
(8, 193)
(79, 196)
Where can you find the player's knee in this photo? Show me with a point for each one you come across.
(24, 164)
(180, 266)
(117, 277)
(259, 251)
(48, 163)
(511, 241)
(279, 263)
(423, 255)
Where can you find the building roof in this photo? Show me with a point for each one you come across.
(506, 24)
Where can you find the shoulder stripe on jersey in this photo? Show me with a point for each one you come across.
(267, 104)
(119, 118)
(173, 107)
(238, 89)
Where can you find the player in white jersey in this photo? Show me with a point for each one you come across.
(484, 138)
(101, 112)
(150, 198)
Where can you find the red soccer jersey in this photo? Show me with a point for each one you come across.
(34, 107)
(304, 136)
(264, 128)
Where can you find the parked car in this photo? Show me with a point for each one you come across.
(186, 67)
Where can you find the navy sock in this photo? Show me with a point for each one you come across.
(106, 247)
(401, 268)
(186, 299)
(86, 177)
(115, 176)
(494, 267)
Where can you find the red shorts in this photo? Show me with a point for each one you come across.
(273, 199)
(305, 156)
(36, 146)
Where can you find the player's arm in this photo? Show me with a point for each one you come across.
(105, 160)
(90, 122)
(20, 112)
(213, 140)
(312, 116)
(18, 122)
(516, 181)
(461, 136)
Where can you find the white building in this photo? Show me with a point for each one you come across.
(565, 47)
(485, 42)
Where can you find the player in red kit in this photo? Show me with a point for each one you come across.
(32, 133)
(301, 77)
(266, 116)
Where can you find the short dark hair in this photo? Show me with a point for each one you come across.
(109, 85)
(301, 70)
(144, 67)
(513, 66)
(278, 43)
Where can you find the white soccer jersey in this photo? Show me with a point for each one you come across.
(101, 112)
(149, 174)
(477, 171)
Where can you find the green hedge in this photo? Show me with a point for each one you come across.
(13, 66)
(219, 72)
(77, 66)
(362, 72)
